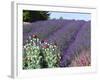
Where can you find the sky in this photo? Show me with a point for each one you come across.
(76, 16)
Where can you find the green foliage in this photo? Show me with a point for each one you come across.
(31, 16)
(31, 55)
(51, 55)
(38, 54)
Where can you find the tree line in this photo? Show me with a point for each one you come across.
(32, 16)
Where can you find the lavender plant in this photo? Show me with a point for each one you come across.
(43, 29)
(81, 42)
(66, 34)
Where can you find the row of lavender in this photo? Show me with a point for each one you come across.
(71, 36)
(82, 42)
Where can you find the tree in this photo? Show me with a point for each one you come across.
(32, 16)
(61, 18)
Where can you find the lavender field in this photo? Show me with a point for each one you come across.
(56, 39)
(56, 43)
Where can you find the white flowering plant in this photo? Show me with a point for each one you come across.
(40, 54)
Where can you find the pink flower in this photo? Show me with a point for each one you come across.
(83, 59)
(34, 36)
(45, 46)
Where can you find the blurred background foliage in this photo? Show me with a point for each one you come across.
(32, 16)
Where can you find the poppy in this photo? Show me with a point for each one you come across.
(45, 46)
(34, 36)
